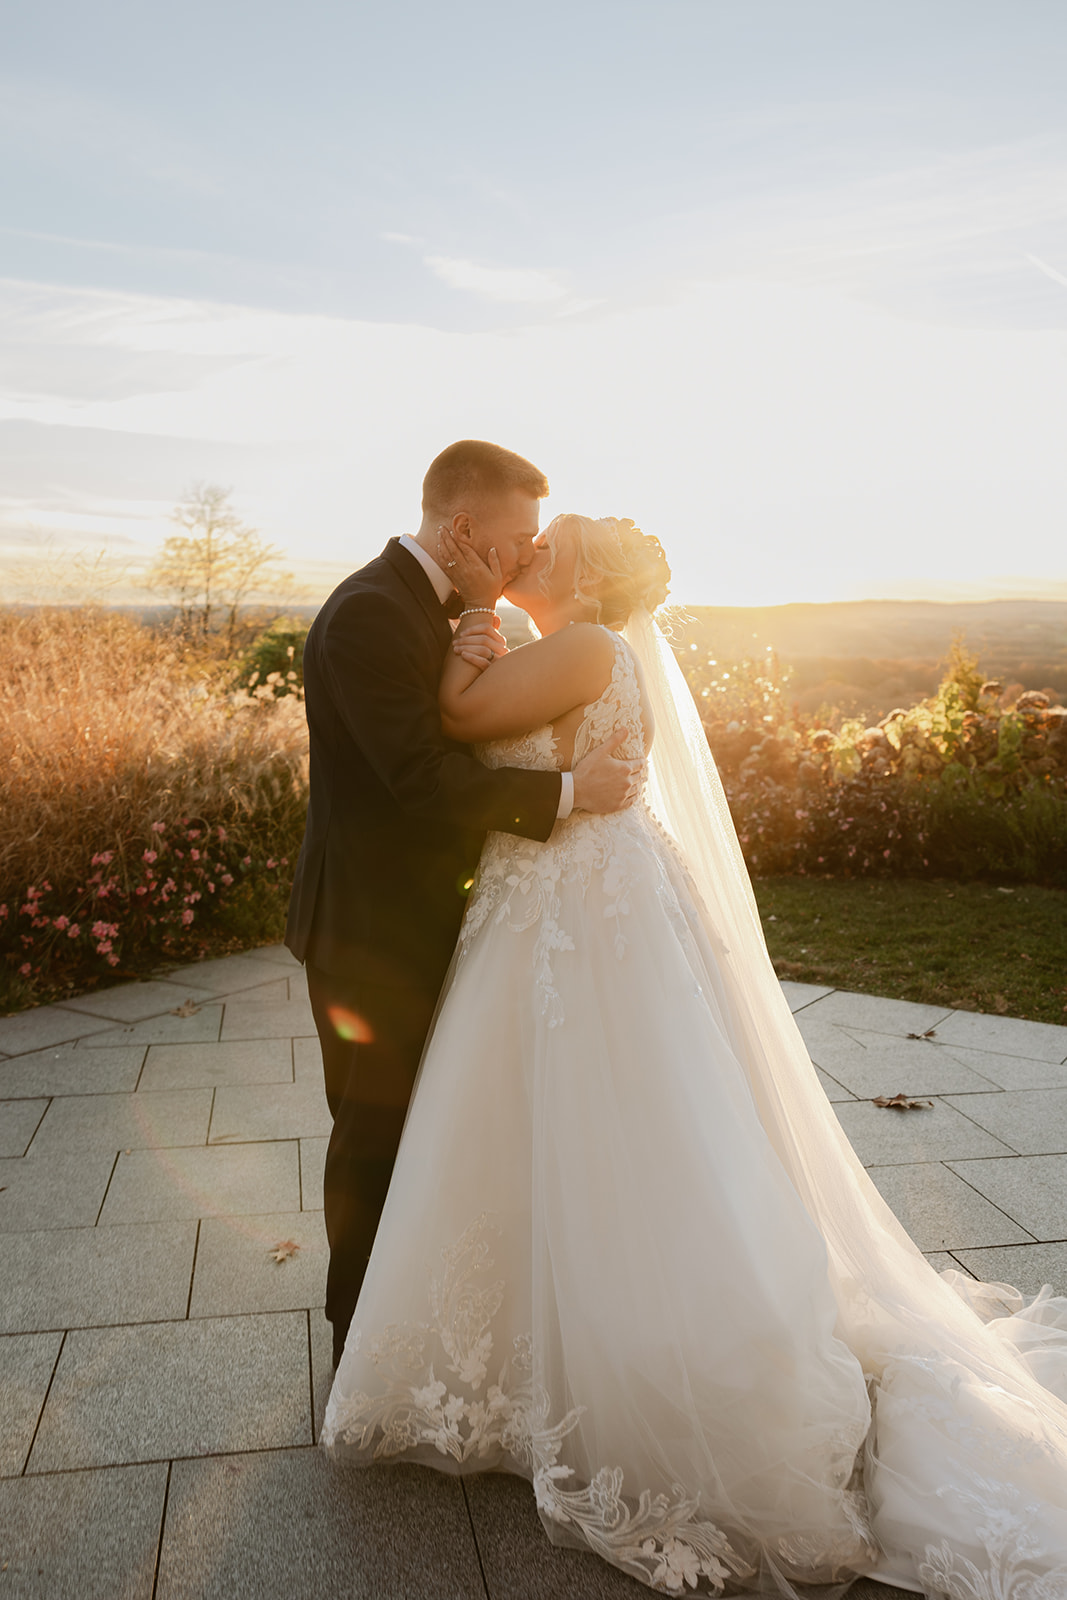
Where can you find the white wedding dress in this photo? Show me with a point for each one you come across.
(628, 1254)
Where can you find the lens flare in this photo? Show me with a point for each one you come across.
(350, 1025)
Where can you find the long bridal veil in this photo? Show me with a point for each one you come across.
(968, 1380)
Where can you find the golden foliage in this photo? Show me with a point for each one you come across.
(107, 727)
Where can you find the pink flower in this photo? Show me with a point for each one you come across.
(187, 917)
(25, 969)
(103, 947)
(149, 855)
(112, 961)
(73, 931)
(211, 888)
(221, 832)
(246, 861)
(194, 854)
(886, 854)
(102, 859)
(61, 923)
(271, 861)
(159, 827)
(140, 889)
(3, 913)
(227, 878)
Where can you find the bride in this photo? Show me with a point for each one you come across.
(627, 1251)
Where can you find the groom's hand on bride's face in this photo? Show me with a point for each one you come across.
(479, 582)
(605, 781)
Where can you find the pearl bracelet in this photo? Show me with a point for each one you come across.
(477, 611)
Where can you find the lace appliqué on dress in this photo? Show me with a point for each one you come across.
(1003, 1516)
(660, 1539)
(518, 880)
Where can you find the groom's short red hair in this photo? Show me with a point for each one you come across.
(473, 468)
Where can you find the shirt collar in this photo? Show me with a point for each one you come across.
(443, 586)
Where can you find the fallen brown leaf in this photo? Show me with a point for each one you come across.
(927, 1035)
(1000, 1004)
(283, 1251)
(900, 1102)
(188, 1008)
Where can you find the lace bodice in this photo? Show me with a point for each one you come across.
(519, 881)
(620, 704)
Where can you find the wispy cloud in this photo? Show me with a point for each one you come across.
(513, 285)
(1050, 272)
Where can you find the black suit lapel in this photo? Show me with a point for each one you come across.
(419, 586)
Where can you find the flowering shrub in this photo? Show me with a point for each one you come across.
(147, 811)
(158, 907)
(967, 783)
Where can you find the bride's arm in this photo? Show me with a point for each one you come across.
(528, 687)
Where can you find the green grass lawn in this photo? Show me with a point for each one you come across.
(969, 945)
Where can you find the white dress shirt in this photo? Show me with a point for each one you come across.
(442, 588)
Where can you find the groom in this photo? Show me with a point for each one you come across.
(396, 819)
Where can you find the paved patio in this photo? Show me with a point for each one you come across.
(162, 1379)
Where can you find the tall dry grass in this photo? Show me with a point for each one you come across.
(109, 730)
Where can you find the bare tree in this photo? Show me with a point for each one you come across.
(215, 565)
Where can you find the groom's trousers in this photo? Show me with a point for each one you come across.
(372, 1038)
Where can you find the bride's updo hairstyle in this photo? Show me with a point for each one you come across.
(617, 568)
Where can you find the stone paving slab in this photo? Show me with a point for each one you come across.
(1024, 1266)
(204, 1181)
(880, 1016)
(93, 1277)
(19, 1121)
(942, 1261)
(202, 1027)
(1031, 1122)
(291, 1019)
(312, 1164)
(320, 1337)
(235, 1271)
(287, 1524)
(82, 1535)
(1042, 1041)
(881, 1135)
(833, 1090)
(136, 1002)
(307, 1060)
(27, 1361)
(190, 1066)
(45, 1026)
(210, 1386)
(278, 953)
(63, 1190)
(125, 1121)
(880, 1064)
(1031, 1189)
(1014, 1073)
(67, 1069)
(274, 1111)
(228, 975)
(941, 1211)
(799, 995)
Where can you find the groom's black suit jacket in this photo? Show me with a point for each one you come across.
(397, 812)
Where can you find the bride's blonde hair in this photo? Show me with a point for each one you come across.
(617, 567)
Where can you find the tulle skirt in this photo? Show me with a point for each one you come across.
(596, 1269)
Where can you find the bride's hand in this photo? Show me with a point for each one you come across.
(479, 582)
(480, 642)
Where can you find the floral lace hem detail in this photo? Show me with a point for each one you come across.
(659, 1538)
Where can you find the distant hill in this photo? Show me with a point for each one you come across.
(866, 656)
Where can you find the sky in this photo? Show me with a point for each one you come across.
(786, 283)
